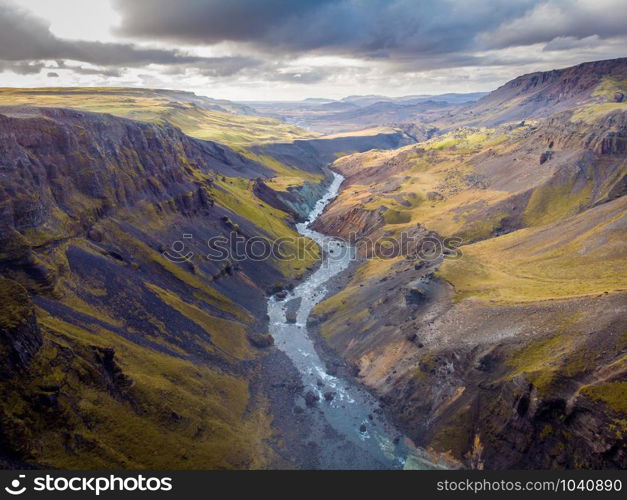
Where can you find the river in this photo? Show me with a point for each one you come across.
(350, 430)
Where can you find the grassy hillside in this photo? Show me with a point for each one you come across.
(193, 118)
(475, 183)
(580, 255)
(590, 89)
(196, 116)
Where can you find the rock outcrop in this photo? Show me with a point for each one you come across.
(20, 337)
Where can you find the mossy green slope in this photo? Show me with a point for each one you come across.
(146, 362)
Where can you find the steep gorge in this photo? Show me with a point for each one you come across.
(122, 339)
(120, 343)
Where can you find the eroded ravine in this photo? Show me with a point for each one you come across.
(349, 429)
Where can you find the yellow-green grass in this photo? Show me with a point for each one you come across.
(283, 184)
(14, 302)
(614, 394)
(286, 176)
(150, 106)
(455, 208)
(219, 425)
(362, 133)
(232, 129)
(346, 305)
(609, 86)
(544, 361)
(552, 202)
(468, 140)
(578, 256)
(592, 112)
(435, 188)
(604, 102)
(450, 216)
(236, 195)
(237, 131)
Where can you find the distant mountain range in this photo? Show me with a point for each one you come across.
(361, 111)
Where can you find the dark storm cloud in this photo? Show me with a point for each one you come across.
(25, 40)
(264, 41)
(367, 26)
(372, 29)
(566, 20)
(209, 22)
(22, 67)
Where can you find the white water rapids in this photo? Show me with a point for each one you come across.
(351, 431)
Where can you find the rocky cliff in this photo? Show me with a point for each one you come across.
(117, 343)
(538, 95)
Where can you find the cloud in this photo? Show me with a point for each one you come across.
(371, 28)
(412, 34)
(53, 74)
(225, 66)
(22, 67)
(298, 48)
(27, 38)
(84, 70)
(570, 42)
(303, 76)
(210, 22)
(560, 19)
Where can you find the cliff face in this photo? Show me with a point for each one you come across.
(131, 334)
(541, 94)
(50, 155)
(297, 200)
(117, 343)
(20, 337)
(306, 154)
(498, 386)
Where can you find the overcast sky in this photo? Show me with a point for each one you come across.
(292, 49)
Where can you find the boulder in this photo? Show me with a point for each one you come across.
(311, 399)
(329, 396)
(546, 156)
(261, 340)
(414, 296)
